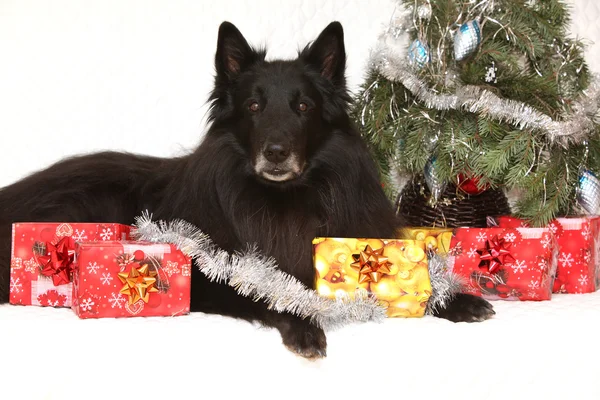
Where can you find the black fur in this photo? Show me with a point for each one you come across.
(336, 191)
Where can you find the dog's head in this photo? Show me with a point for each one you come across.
(279, 111)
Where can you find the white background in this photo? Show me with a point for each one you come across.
(84, 75)
(80, 76)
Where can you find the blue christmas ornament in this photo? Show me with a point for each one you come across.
(588, 192)
(432, 179)
(418, 53)
(466, 39)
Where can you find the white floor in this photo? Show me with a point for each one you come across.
(545, 350)
(115, 77)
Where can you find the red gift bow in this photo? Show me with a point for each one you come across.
(495, 253)
(58, 262)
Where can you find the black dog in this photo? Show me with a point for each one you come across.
(281, 164)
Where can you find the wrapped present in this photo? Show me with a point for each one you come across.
(128, 278)
(578, 241)
(42, 259)
(395, 271)
(505, 263)
(435, 239)
(506, 221)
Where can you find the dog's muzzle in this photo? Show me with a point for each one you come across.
(285, 170)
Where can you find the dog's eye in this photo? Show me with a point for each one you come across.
(254, 106)
(302, 107)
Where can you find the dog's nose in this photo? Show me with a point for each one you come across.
(276, 153)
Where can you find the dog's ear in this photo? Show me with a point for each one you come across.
(233, 52)
(328, 54)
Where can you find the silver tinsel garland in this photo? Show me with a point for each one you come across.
(256, 276)
(576, 127)
(444, 284)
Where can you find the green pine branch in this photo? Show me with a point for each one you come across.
(536, 63)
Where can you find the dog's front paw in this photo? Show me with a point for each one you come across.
(305, 339)
(467, 308)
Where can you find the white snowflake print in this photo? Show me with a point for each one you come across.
(519, 266)
(587, 255)
(79, 236)
(93, 267)
(186, 270)
(106, 234)
(15, 285)
(16, 263)
(510, 237)
(472, 253)
(546, 241)
(106, 278)
(534, 285)
(553, 227)
(171, 268)
(490, 74)
(543, 264)
(481, 236)
(583, 280)
(566, 259)
(586, 232)
(31, 265)
(116, 300)
(86, 304)
(533, 295)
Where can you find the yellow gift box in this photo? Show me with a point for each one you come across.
(394, 270)
(436, 239)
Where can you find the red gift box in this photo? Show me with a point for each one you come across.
(127, 278)
(42, 255)
(578, 241)
(505, 263)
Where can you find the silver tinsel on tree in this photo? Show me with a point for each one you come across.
(392, 63)
(503, 94)
(574, 129)
(256, 276)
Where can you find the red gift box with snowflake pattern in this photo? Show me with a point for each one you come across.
(505, 263)
(578, 242)
(42, 255)
(130, 278)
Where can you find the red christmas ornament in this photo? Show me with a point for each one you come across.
(469, 185)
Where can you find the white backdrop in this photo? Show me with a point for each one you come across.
(80, 76)
(87, 75)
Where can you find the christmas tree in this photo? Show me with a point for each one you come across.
(485, 95)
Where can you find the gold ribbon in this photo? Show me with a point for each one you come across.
(370, 264)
